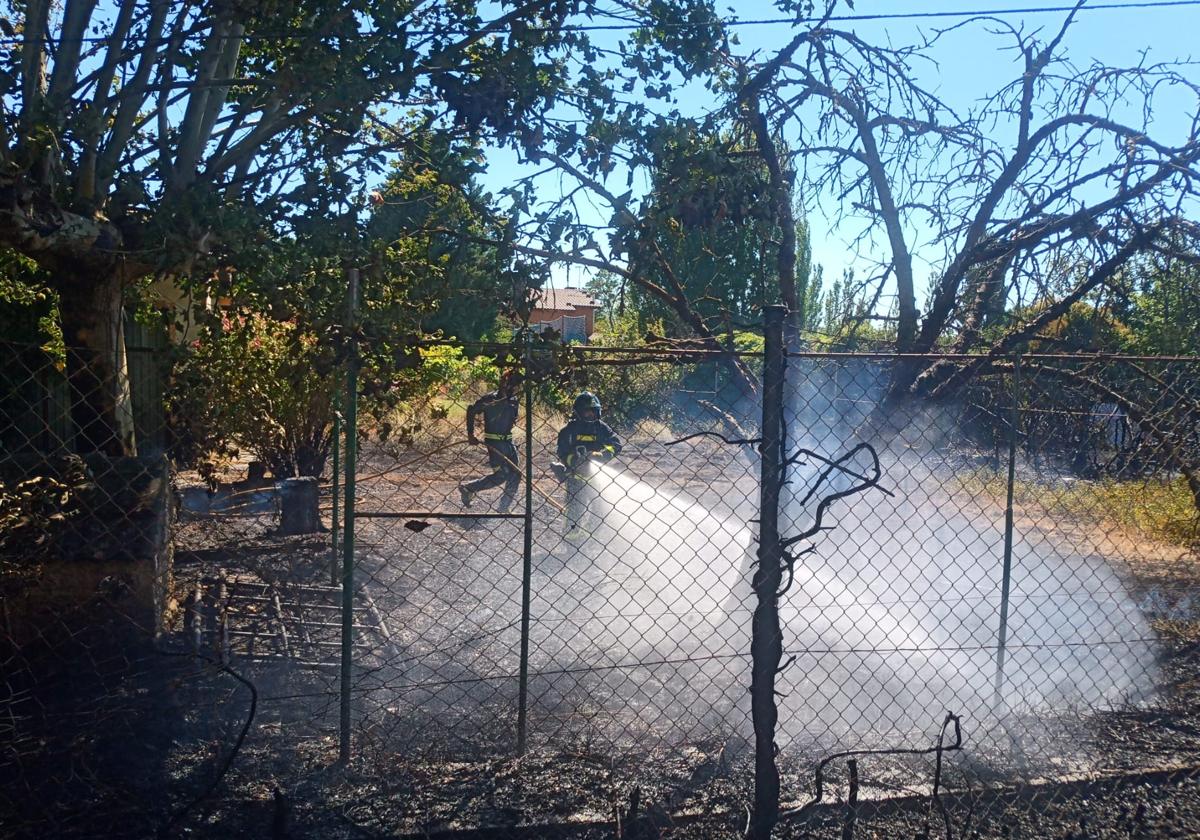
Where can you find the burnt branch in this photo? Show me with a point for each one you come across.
(1060, 170)
(797, 457)
(718, 436)
(938, 749)
(837, 465)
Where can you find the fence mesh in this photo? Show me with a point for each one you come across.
(625, 613)
(94, 721)
(1026, 563)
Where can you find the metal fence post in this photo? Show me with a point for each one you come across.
(766, 644)
(1006, 574)
(337, 434)
(527, 554)
(348, 529)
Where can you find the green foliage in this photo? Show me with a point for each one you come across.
(449, 372)
(1161, 510)
(258, 384)
(838, 317)
(1164, 315)
(273, 120)
(630, 392)
(28, 307)
(1084, 328)
(609, 289)
(420, 274)
(441, 380)
(427, 233)
(753, 343)
(709, 217)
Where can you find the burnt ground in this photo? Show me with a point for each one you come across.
(620, 699)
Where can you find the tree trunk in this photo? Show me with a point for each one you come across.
(785, 219)
(1193, 482)
(311, 458)
(93, 330)
(766, 644)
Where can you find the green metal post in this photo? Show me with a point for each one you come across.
(337, 434)
(527, 565)
(351, 409)
(1006, 575)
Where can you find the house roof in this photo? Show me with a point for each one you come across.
(568, 298)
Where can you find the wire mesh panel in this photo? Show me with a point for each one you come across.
(1035, 622)
(1007, 612)
(635, 563)
(84, 591)
(1008, 568)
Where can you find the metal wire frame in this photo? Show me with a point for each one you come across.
(639, 659)
(491, 683)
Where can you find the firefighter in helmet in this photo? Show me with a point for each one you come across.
(499, 412)
(583, 442)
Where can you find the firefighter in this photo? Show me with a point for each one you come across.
(584, 441)
(499, 411)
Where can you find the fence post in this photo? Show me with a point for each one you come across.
(337, 434)
(527, 554)
(766, 644)
(348, 529)
(1006, 574)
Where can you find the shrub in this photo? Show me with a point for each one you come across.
(631, 392)
(450, 373)
(439, 385)
(260, 384)
(1160, 509)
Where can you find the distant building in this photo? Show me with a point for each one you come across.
(570, 311)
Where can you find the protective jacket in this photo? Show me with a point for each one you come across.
(499, 415)
(596, 436)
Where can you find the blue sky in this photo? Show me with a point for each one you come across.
(971, 65)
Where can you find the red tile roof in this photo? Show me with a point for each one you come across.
(566, 299)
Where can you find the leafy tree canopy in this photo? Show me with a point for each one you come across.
(708, 215)
(163, 136)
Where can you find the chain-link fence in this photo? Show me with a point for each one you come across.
(631, 568)
(94, 721)
(535, 635)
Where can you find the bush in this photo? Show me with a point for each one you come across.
(450, 373)
(259, 384)
(630, 392)
(1160, 509)
(440, 384)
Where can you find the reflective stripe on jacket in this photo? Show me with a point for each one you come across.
(596, 436)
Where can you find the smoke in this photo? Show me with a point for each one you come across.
(893, 618)
(636, 618)
(895, 615)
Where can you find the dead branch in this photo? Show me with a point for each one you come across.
(838, 465)
(718, 436)
(938, 749)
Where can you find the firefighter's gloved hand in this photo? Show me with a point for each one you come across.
(580, 462)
